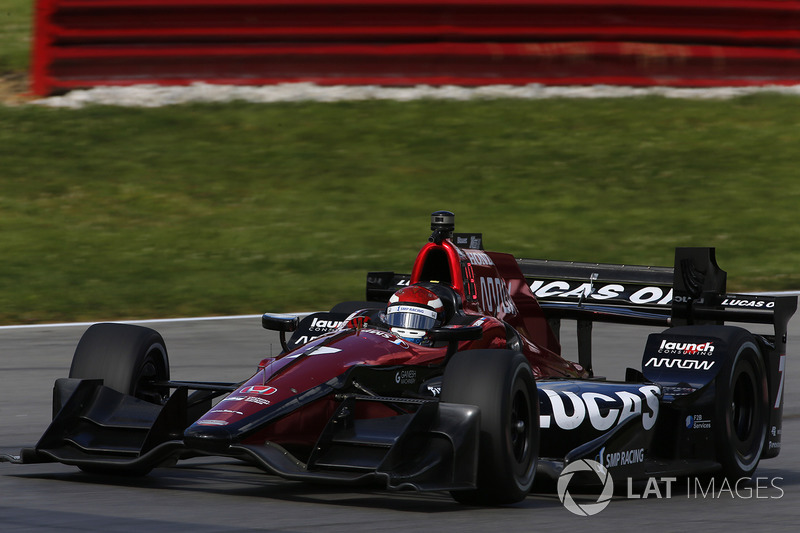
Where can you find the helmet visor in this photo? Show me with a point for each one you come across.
(411, 317)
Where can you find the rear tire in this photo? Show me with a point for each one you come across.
(129, 359)
(742, 401)
(501, 384)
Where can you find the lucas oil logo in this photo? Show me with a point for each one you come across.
(570, 410)
(611, 291)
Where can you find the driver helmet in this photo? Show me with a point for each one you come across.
(412, 312)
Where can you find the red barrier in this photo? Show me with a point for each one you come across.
(82, 43)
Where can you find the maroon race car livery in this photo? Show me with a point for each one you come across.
(476, 404)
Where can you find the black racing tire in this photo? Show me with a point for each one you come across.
(501, 384)
(741, 399)
(128, 358)
(742, 405)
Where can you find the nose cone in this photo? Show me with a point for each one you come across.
(208, 438)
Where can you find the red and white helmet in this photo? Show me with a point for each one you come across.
(412, 312)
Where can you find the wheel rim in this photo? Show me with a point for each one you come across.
(144, 386)
(743, 407)
(746, 417)
(520, 428)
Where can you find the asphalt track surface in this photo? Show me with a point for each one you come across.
(211, 494)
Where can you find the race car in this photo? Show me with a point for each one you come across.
(451, 378)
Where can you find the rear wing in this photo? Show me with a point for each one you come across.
(693, 291)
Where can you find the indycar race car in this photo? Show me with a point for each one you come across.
(452, 378)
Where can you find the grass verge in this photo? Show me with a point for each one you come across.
(109, 213)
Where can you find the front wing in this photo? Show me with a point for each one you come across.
(429, 446)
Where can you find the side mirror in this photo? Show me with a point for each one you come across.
(455, 335)
(280, 323)
(469, 333)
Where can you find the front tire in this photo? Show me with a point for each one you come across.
(501, 384)
(129, 359)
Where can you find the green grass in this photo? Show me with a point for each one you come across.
(16, 23)
(110, 213)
